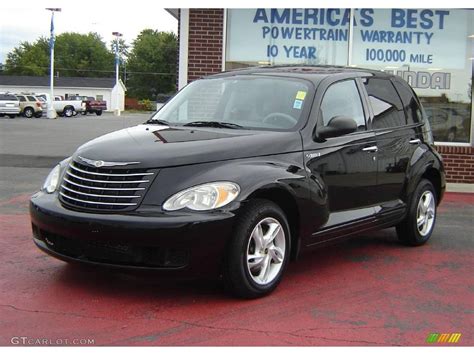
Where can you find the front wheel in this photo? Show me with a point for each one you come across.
(259, 250)
(98, 113)
(419, 223)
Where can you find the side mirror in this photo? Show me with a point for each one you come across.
(337, 126)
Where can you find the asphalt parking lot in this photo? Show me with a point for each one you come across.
(369, 290)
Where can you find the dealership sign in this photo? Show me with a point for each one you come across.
(428, 38)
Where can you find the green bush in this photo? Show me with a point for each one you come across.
(146, 105)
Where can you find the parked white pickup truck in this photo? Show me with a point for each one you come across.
(63, 107)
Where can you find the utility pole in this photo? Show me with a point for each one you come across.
(51, 110)
(117, 63)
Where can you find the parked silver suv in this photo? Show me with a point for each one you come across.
(9, 105)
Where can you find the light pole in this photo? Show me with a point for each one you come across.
(51, 110)
(117, 62)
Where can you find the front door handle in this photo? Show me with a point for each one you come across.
(371, 149)
(415, 141)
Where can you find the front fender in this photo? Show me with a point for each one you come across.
(281, 171)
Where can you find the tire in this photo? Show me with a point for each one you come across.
(68, 111)
(422, 208)
(98, 113)
(83, 113)
(12, 116)
(39, 114)
(248, 277)
(28, 112)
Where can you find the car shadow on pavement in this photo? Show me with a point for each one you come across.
(115, 283)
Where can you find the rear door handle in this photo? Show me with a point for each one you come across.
(371, 149)
(415, 141)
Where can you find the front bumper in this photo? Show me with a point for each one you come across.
(185, 244)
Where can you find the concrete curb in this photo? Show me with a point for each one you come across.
(464, 188)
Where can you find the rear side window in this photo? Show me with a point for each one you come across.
(343, 99)
(31, 98)
(385, 102)
(21, 98)
(412, 108)
(7, 97)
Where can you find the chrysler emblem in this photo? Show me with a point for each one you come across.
(101, 163)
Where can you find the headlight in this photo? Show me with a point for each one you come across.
(52, 180)
(203, 197)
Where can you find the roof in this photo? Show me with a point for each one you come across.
(68, 82)
(174, 13)
(301, 70)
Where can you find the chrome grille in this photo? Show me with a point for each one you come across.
(86, 187)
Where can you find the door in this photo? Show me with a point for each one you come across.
(396, 139)
(345, 166)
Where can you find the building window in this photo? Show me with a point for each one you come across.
(286, 36)
(432, 49)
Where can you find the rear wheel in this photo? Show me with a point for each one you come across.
(98, 113)
(419, 223)
(68, 111)
(12, 116)
(28, 112)
(259, 250)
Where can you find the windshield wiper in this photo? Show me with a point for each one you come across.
(214, 124)
(163, 122)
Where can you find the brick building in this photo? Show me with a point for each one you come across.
(432, 49)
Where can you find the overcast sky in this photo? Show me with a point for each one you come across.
(31, 20)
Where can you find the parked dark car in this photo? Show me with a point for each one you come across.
(242, 171)
(92, 105)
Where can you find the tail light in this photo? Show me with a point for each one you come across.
(38, 104)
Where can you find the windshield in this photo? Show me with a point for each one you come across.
(239, 101)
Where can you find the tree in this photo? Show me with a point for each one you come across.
(123, 49)
(75, 55)
(151, 64)
(28, 59)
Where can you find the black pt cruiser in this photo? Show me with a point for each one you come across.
(241, 171)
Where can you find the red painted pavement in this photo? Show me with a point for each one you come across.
(366, 291)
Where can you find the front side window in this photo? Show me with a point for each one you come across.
(385, 102)
(343, 99)
(248, 101)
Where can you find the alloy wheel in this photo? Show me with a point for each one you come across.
(266, 251)
(426, 213)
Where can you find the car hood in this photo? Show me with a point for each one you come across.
(156, 146)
